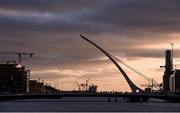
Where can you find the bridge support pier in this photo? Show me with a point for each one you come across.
(116, 99)
(137, 99)
(109, 99)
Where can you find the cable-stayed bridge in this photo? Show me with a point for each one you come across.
(86, 60)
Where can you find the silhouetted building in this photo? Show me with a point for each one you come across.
(93, 88)
(168, 69)
(171, 78)
(13, 78)
(174, 82)
(35, 86)
(38, 87)
(50, 89)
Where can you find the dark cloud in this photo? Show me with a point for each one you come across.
(161, 15)
(47, 5)
(44, 26)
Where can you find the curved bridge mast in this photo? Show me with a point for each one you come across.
(133, 87)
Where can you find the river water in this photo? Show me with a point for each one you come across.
(86, 104)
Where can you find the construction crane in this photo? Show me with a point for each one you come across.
(19, 54)
(86, 85)
(83, 86)
(152, 85)
(79, 86)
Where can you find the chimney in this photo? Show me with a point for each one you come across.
(169, 61)
(168, 69)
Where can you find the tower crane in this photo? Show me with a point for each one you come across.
(83, 86)
(19, 54)
(86, 84)
(79, 86)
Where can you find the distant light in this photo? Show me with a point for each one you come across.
(18, 66)
(137, 91)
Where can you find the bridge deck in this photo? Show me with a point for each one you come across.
(60, 95)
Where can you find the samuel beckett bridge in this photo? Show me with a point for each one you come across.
(88, 70)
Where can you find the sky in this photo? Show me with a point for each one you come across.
(136, 31)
